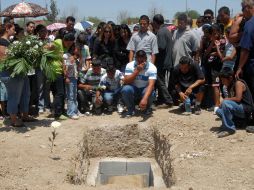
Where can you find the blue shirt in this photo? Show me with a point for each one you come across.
(247, 40)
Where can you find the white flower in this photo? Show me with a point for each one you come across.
(28, 43)
(55, 124)
(36, 46)
(40, 44)
(15, 42)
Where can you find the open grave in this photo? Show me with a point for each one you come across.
(132, 155)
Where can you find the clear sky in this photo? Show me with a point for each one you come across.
(109, 9)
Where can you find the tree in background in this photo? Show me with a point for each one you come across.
(53, 11)
(191, 13)
(94, 20)
(122, 17)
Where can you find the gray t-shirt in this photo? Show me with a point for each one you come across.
(146, 41)
(185, 43)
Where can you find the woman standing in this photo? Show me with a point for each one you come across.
(104, 44)
(17, 87)
(121, 54)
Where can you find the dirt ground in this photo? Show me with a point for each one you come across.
(200, 160)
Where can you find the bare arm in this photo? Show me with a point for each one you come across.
(153, 58)
(239, 89)
(149, 90)
(243, 60)
(235, 35)
(231, 57)
(131, 55)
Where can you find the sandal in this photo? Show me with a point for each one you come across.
(29, 119)
(17, 125)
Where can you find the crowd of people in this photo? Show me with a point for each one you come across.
(116, 69)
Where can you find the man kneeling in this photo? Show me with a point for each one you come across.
(239, 103)
(189, 79)
(139, 80)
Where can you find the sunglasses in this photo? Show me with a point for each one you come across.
(107, 31)
(207, 17)
(244, 7)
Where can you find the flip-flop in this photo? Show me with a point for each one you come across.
(17, 125)
(29, 119)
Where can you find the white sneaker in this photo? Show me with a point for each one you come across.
(41, 111)
(120, 108)
(215, 109)
(87, 113)
(75, 117)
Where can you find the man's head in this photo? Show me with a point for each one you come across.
(227, 75)
(68, 40)
(184, 64)
(8, 20)
(96, 66)
(182, 21)
(30, 26)
(224, 15)
(110, 67)
(70, 21)
(208, 16)
(144, 23)
(248, 8)
(158, 20)
(141, 56)
(200, 21)
(41, 31)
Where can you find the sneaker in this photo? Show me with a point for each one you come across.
(197, 110)
(87, 113)
(250, 129)
(41, 111)
(110, 108)
(120, 108)
(215, 109)
(61, 117)
(148, 112)
(81, 115)
(129, 114)
(225, 133)
(75, 117)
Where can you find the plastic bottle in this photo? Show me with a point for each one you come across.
(187, 105)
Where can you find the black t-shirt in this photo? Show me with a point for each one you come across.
(4, 42)
(185, 80)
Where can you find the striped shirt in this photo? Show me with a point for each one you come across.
(90, 78)
(141, 80)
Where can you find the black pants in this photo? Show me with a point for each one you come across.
(84, 97)
(58, 86)
(163, 93)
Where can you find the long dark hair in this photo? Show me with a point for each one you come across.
(4, 27)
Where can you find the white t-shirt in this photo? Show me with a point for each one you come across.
(141, 80)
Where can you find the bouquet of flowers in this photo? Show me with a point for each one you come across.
(29, 53)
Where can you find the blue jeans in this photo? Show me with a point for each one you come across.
(43, 90)
(130, 94)
(71, 95)
(227, 111)
(18, 89)
(111, 97)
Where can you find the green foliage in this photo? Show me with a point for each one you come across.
(29, 53)
(131, 20)
(94, 20)
(191, 13)
(53, 11)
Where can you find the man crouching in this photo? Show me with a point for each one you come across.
(238, 104)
